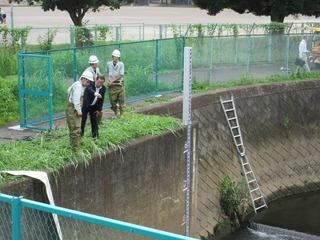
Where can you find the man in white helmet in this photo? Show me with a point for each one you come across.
(74, 105)
(115, 73)
(94, 66)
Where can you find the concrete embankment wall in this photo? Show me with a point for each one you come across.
(142, 184)
(281, 130)
(280, 125)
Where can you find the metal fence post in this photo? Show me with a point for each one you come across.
(118, 38)
(16, 218)
(157, 65)
(75, 70)
(72, 36)
(288, 49)
(211, 59)
(50, 102)
(22, 86)
(143, 31)
(160, 31)
(183, 43)
(236, 58)
(249, 50)
(270, 48)
(95, 34)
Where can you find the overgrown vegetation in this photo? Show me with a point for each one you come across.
(8, 61)
(234, 198)
(51, 151)
(9, 104)
(46, 41)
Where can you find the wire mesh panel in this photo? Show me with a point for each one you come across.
(103, 53)
(29, 220)
(5, 221)
(219, 59)
(140, 69)
(40, 225)
(169, 65)
(35, 91)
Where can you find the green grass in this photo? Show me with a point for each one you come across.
(51, 151)
(199, 86)
(9, 103)
(8, 61)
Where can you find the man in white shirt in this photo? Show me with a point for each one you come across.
(303, 54)
(73, 109)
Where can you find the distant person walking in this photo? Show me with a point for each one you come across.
(303, 55)
(92, 105)
(73, 109)
(115, 74)
(3, 17)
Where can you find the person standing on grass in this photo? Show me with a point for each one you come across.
(94, 66)
(92, 105)
(73, 109)
(303, 55)
(115, 73)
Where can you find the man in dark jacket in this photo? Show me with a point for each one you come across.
(92, 105)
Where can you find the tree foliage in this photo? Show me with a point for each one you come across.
(276, 9)
(76, 8)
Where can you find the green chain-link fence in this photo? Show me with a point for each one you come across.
(151, 68)
(154, 67)
(224, 59)
(29, 220)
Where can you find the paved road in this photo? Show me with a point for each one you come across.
(36, 17)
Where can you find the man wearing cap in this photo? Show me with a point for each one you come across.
(73, 109)
(115, 73)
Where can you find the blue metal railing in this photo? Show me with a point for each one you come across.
(17, 204)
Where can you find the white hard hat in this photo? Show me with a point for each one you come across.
(93, 59)
(116, 53)
(87, 75)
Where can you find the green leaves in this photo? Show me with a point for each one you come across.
(233, 196)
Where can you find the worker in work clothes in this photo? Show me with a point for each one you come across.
(92, 105)
(73, 109)
(115, 73)
(94, 66)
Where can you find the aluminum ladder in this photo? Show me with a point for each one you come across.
(257, 198)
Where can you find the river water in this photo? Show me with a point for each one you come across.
(292, 218)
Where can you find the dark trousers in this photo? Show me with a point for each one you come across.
(93, 119)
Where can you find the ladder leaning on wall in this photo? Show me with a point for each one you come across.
(257, 198)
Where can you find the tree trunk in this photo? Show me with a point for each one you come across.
(77, 16)
(276, 17)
